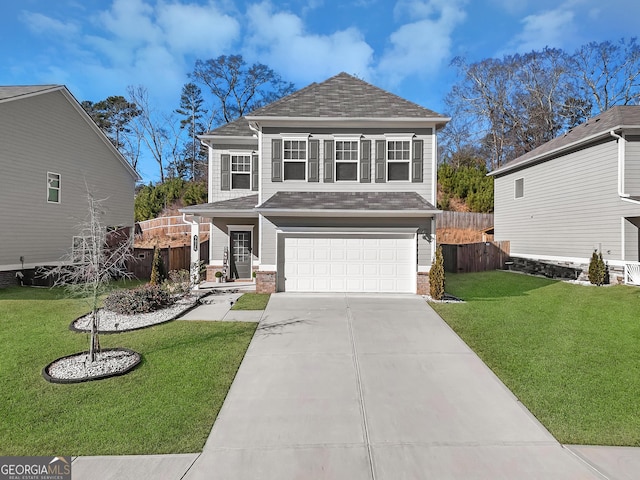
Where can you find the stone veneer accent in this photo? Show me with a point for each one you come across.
(423, 283)
(265, 282)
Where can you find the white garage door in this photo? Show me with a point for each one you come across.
(350, 264)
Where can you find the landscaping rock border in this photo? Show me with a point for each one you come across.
(111, 322)
(74, 369)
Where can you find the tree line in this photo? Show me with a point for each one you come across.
(219, 90)
(501, 108)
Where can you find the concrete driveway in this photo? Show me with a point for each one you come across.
(372, 387)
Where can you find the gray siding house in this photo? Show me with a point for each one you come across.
(575, 194)
(51, 152)
(330, 189)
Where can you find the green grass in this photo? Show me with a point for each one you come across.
(570, 353)
(167, 405)
(252, 301)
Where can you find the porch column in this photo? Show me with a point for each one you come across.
(195, 250)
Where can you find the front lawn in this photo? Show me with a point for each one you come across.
(167, 405)
(570, 353)
(252, 301)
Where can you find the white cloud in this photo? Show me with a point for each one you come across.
(420, 47)
(279, 40)
(547, 29)
(131, 21)
(197, 29)
(39, 23)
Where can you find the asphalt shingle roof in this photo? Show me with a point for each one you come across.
(622, 115)
(7, 92)
(344, 96)
(242, 203)
(365, 201)
(237, 128)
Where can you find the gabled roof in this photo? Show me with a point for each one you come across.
(13, 92)
(596, 128)
(345, 96)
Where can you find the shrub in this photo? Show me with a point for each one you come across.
(597, 269)
(436, 276)
(157, 268)
(145, 299)
(178, 282)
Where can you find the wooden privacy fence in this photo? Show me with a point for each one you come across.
(174, 258)
(464, 220)
(475, 257)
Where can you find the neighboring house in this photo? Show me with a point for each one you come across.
(575, 194)
(330, 189)
(51, 152)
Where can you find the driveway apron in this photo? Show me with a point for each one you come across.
(372, 387)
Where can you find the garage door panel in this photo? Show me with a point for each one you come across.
(350, 264)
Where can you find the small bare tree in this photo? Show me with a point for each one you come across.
(97, 257)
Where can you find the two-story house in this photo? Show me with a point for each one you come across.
(51, 153)
(330, 189)
(578, 193)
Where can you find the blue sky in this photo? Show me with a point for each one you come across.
(98, 47)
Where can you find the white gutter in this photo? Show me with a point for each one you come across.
(258, 131)
(621, 155)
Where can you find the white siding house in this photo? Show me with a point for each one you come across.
(577, 193)
(52, 152)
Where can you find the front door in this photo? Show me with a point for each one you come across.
(241, 255)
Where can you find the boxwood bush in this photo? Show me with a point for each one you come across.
(145, 299)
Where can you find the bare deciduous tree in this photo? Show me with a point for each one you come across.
(238, 88)
(158, 132)
(97, 257)
(608, 73)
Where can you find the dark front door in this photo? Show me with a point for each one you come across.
(241, 255)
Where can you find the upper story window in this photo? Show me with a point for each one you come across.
(240, 172)
(398, 160)
(295, 159)
(347, 160)
(53, 187)
(519, 188)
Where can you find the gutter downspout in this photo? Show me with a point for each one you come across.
(194, 272)
(621, 154)
(256, 128)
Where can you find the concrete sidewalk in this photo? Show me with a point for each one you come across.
(367, 387)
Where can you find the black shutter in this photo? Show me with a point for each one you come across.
(225, 172)
(328, 161)
(276, 160)
(254, 172)
(365, 161)
(416, 162)
(313, 162)
(381, 161)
